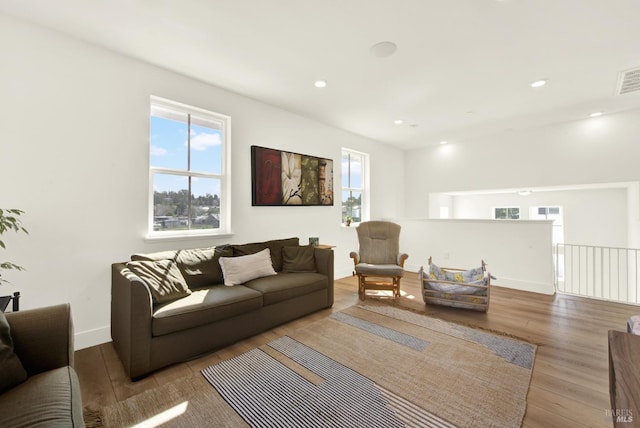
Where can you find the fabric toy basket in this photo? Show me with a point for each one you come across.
(458, 288)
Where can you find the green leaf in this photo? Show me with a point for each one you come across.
(9, 265)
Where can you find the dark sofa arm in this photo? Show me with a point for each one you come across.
(324, 265)
(131, 313)
(43, 337)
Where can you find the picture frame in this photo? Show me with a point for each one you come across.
(284, 178)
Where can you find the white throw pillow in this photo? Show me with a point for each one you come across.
(238, 270)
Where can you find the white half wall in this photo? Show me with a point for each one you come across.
(581, 209)
(75, 122)
(518, 252)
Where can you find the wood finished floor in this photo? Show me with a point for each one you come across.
(570, 382)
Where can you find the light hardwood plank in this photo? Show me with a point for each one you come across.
(96, 386)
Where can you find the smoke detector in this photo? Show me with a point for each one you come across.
(628, 81)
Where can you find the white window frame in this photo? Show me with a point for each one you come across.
(364, 190)
(224, 177)
(493, 212)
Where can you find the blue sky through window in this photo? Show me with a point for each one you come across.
(170, 143)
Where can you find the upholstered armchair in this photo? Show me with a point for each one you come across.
(378, 263)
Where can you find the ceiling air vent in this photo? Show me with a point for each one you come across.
(629, 81)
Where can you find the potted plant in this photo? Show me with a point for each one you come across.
(347, 220)
(9, 221)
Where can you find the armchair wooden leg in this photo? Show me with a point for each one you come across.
(361, 289)
(396, 287)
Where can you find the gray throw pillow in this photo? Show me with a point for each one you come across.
(200, 266)
(163, 277)
(275, 248)
(298, 259)
(11, 370)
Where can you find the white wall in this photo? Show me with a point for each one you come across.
(75, 120)
(584, 152)
(518, 252)
(582, 209)
(591, 151)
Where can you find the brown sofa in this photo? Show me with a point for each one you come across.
(149, 334)
(50, 396)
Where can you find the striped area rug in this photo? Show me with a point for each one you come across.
(379, 366)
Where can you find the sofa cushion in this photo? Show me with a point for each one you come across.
(238, 270)
(274, 246)
(11, 370)
(298, 259)
(152, 257)
(379, 269)
(163, 277)
(199, 266)
(285, 286)
(203, 307)
(49, 399)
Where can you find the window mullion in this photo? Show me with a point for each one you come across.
(349, 167)
(189, 212)
(189, 142)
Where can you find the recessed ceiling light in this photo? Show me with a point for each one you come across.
(539, 83)
(383, 49)
(525, 192)
(442, 143)
(596, 114)
(398, 121)
(320, 83)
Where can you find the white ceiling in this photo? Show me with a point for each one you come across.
(462, 68)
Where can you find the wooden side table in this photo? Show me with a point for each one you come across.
(624, 378)
(326, 246)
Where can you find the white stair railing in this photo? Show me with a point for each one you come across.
(606, 273)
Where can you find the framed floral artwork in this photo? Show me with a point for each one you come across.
(280, 178)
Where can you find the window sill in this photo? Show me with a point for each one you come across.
(351, 226)
(186, 237)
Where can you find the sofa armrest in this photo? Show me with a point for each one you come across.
(324, 265)
(131, 317)
(43, 337)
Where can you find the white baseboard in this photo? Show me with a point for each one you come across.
(343, 273)
(86, 339)
(519, 284)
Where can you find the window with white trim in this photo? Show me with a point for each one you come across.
(188, 170)
(354, 182)
(506, 213)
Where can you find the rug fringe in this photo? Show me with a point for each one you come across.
(92, 418)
